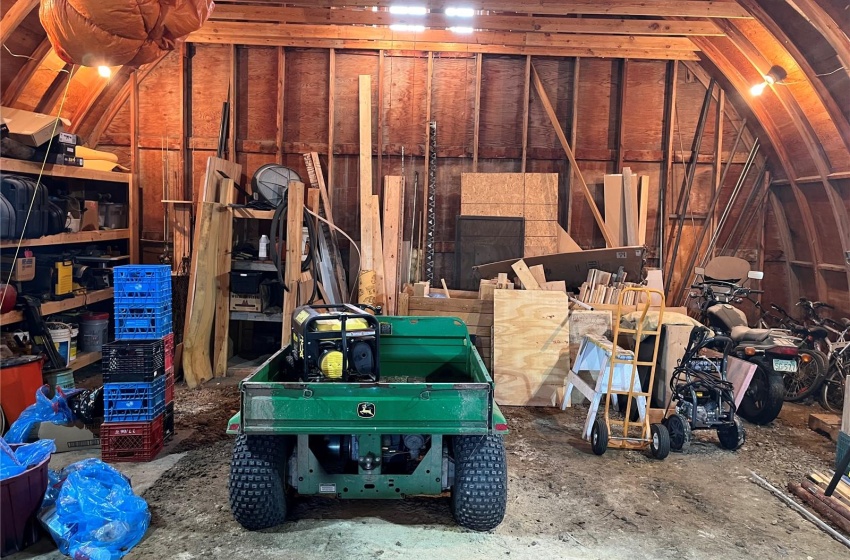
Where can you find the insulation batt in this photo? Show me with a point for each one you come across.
(119, 32)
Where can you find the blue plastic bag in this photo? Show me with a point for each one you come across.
(9, 464)
(54, 410)
(97, 515)
(32, 454)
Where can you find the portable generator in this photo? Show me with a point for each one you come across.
(335, 343)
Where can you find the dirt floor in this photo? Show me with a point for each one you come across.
(564, 502)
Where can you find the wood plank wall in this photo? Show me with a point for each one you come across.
(617, 110)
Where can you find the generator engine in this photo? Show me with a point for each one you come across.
(335, 343)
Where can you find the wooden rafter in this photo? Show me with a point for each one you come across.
(837, 37)
(54, 91)
(741, 85)
(539, 24)
(25, 74)
(14, 17)
(682, 8)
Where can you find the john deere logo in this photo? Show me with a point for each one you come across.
(366, 410)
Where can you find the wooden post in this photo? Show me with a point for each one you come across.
(133, 197)
(525, 101)
(393, 197)
(477, 113)
(231, 141)
(281, 98)
(380, 133)
(378, 252)
(222, 298)
(331, 103)
(366, 257)
(550, 111)
(566, 201)
(292, 269)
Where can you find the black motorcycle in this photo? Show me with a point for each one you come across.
(774, 353)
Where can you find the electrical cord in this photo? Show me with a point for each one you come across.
(277, 239)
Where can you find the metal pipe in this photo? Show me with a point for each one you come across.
(745, 211)
(684, 194)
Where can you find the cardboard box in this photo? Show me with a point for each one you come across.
(23, 269)
(32, 129)
(252, 303)
(73, 437)
(91, 218)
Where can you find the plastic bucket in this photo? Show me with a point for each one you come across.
(75, 332)
(19, 380)
(61, 335)
(94, 332)
(20, 500)
(62, 377)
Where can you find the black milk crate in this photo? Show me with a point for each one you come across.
(168, 421)
(133, 361)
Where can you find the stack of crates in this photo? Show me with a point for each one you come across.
(138, 368)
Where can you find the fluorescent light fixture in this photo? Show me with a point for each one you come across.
(104, 71)
(460, 12)
(408, 10)
(407, 27)
(457, 29)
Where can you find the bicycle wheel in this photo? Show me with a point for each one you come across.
(832, 391)
(810, 373)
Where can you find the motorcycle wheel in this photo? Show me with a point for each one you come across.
(801, 384)
(831, 395)
(764, 397)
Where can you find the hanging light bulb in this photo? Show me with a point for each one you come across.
(104, 71)
(758, 89)
(774, 76)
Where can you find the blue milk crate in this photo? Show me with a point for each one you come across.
(142, 281)
(159, 298)
(133, 402)
(142, 323)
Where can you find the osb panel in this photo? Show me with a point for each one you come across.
(537, 246)
(453, 101)
(256, 71)
(348, 66)
(501, 102)
(597, 104)
(306, 99)
(541, 212)
(501, 210)
(492, 188)
(821, 208)
(541, 188)
(643, 114)
(556, 74)
(538, 228)
(209, 84)
(404, 81)
(799, 238)
(583, 228)
(159, 99)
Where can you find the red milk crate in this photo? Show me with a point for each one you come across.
(168, 341)
(134, 442)
(169, 386)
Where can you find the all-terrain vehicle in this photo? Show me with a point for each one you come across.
(359, 406)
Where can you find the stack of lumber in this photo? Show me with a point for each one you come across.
(626, 205)
(835, 508)
(531, 196)
(605, 287)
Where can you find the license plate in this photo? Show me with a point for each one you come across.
(785, 365)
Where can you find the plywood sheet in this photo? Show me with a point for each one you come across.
(210, 81)
(256, 79)
(501, 113)
(453, 101)
(306, 96)
(530, 346)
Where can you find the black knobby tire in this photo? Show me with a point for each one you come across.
(258, 481)
(764, 397)
(801, 384)
(732, 437)
(480, 490)
(831, 394)
(659, 444)
(680, 432)
(599, 436)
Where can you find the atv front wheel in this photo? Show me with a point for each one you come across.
(480, 490)
(258, 481)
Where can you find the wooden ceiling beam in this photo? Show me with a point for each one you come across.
(666, 8)
(831, 30)
(14, 17)
(791, 48)
(25, 74)
(320, 16)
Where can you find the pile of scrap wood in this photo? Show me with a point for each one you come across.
(626, 203)
(835, 508)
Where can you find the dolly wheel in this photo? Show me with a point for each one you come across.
(257, 481)
(599, 436)
(680, 432)
(732, 437)
(480, 490)
(659, 445)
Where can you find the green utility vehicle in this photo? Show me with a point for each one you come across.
(369, 407)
